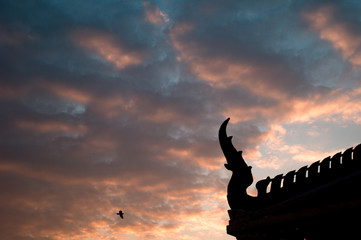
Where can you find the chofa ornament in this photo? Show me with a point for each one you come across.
(324, 194)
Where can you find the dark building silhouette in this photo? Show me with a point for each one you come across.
(321, 201)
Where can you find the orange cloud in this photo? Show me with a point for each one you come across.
(192, 157)
(341, 104)
(107, 46)
(60, 90)
(154, 15)
(259, 79)
(44, 175)
(114, 106)
(177, 32)
(328, 105)
(9, 92)
(141, 107)
(305, 155)
(51, 127)
(68, 92)
(161, 114)
(224, 72)
(338, 34)
(166, 212)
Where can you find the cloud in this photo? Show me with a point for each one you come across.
(51, 127)
(332, 105)
(154, 15)
(339, 33)
(282, 94)
(13, 38)
(116, 105)
(107, 47)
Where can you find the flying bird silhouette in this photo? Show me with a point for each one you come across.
(121, 214)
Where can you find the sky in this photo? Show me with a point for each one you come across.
(109, 105)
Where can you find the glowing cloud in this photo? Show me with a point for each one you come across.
(108, 48)
(338, 104)
(338, 33)
(154, 15)
(68, 92)
(52, 127)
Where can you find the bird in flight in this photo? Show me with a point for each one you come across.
(121, 214)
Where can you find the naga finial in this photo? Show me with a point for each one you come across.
(242, 175)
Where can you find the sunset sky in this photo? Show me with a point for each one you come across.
(109, 105)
